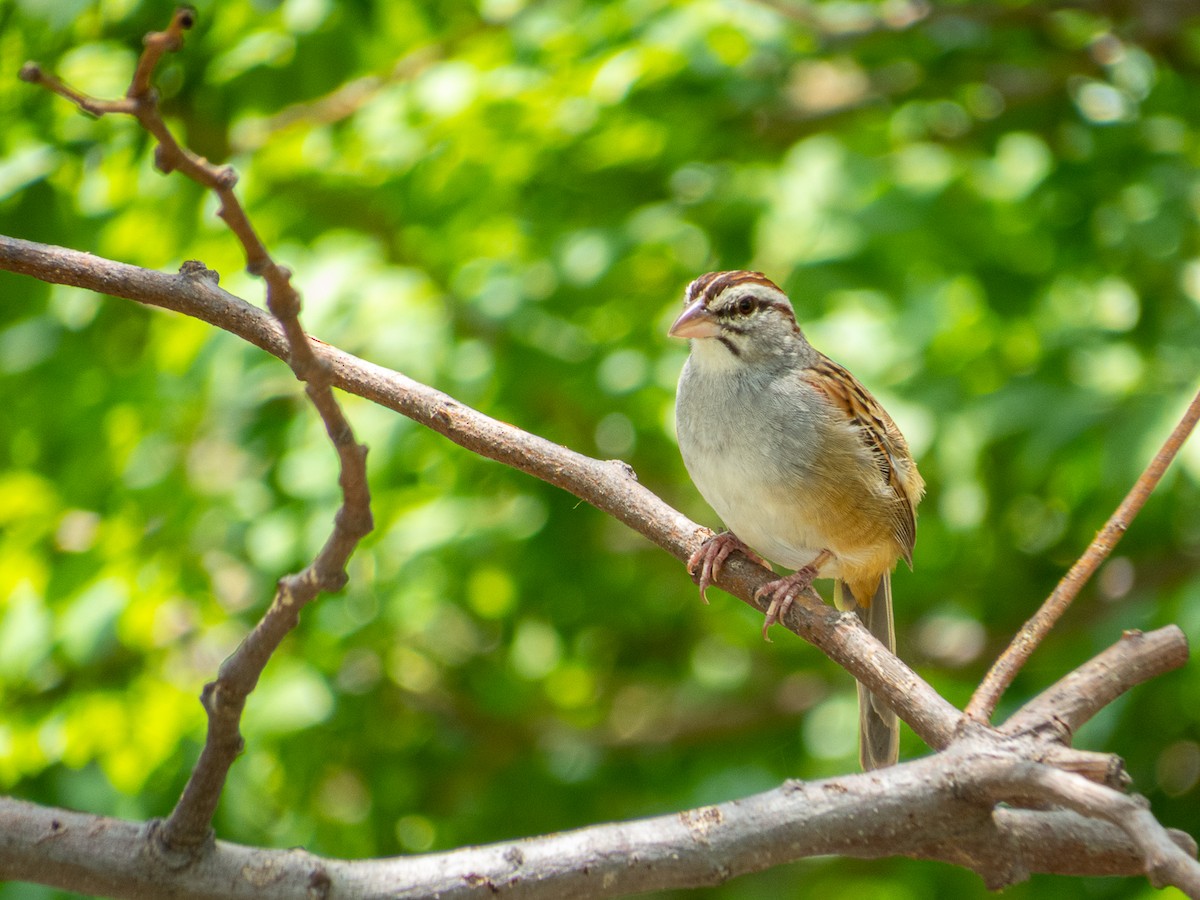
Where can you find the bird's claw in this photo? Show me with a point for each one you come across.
(706, 563)
(782, 593)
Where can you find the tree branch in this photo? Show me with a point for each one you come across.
(1073, 700)
(953, 793)
(189, 825)
(1033, 632)
(609, 485)
(1167, 861)
(693, 848)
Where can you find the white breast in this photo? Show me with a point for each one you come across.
(748, 442)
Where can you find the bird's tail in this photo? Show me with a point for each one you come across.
(878, 727)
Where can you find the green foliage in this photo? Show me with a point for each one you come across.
(987, 213)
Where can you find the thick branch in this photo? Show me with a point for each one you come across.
(864, 816)
(1166, 859)
(1166, 862)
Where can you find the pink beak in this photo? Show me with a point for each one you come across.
(695, 322)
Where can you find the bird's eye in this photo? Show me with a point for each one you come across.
(745, 306)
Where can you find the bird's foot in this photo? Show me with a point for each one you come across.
(782, 592)
(705, 564)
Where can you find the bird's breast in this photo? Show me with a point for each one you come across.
(752, 452)
(782, 470)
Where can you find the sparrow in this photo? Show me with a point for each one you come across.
(802, 464)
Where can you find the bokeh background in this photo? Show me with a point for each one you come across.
(986, 210)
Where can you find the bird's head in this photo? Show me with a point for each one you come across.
(738, 316)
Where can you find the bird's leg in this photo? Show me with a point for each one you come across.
(705, 564)
(783, 591)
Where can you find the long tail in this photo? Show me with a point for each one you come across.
(878, 727)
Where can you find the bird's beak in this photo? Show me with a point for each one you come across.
(695, 322)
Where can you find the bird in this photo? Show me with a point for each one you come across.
(801, 463)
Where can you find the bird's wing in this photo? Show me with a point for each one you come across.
(882, 438)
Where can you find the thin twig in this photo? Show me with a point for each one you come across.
(189, 825)
(1005, 669)
(34, 74)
